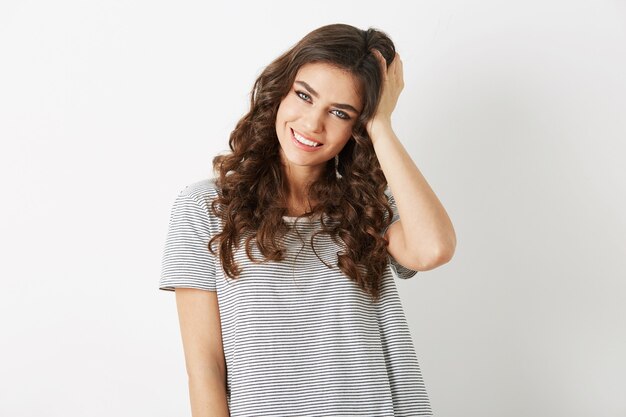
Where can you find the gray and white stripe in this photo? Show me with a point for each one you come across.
(300, 339)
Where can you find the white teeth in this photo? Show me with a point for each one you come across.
(303, 140)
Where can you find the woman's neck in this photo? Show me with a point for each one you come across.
(298, 180)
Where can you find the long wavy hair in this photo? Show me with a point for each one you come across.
(251, 182)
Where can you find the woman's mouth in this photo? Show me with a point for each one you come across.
(304, 143)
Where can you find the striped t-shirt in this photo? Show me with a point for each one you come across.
(299, 339)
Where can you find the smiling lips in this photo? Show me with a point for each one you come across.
(304, 140)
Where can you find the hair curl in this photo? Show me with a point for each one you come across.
(251, 180)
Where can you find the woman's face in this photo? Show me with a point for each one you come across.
(321, 107)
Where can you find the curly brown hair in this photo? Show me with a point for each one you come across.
(351, 192)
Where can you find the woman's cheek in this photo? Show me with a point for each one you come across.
(288, 108)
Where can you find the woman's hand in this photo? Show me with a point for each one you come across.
(393, 83)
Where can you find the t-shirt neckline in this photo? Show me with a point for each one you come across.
(292, 219)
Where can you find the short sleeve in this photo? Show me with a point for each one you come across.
(187, 261)
(400, 270)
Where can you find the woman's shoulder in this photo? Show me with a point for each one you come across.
(202, 191)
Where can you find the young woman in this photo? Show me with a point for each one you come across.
(282, 264)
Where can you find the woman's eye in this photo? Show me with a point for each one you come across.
(342, 115)
(301, 94)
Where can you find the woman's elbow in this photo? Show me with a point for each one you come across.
(438, 258)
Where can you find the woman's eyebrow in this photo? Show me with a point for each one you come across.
(316, 95)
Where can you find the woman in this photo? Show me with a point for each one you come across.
(282, 264)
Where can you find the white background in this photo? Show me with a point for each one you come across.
(515, 112)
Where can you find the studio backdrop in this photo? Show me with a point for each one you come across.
(513, 111)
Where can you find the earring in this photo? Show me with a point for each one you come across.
(337, 174)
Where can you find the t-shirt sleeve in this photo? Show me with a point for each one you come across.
(400, 270)
(187, 262)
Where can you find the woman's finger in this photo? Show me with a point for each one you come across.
(381, 61)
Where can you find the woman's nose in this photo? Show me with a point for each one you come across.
(314, 121)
